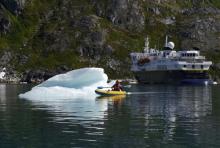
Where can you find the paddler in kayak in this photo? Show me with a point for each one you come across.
(116, 89)
(117, 86)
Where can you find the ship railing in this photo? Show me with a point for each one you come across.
(201, 57)
(197, 57)
(191, 60)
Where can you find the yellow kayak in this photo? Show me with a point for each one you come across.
(112, 97)
(109, 92)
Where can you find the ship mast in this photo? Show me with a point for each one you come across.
(166, 41)
(146, 45)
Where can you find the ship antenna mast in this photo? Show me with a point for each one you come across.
(146, 44)
(166, 41)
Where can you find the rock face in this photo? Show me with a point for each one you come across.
(127, 14)
(38, 37)
(14, 6)
(201, 33)
(4, 23)
(40, 75)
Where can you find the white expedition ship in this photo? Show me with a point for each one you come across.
(170, 66)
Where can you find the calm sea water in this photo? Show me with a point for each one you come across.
(153, 116)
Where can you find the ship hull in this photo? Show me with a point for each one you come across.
(172, 77)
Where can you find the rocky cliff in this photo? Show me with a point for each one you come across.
(42, 38)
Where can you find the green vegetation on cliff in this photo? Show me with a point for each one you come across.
(49, 34)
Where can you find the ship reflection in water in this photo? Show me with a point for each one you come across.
(172, 101)
(160, 115)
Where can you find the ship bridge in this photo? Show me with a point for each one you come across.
(190, 54)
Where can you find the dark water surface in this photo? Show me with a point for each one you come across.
(153, 116)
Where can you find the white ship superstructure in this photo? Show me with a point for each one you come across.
(170, 66)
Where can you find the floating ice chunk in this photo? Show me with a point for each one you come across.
(79, 83)
(77, 78)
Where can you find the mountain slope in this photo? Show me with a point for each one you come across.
(41, 38)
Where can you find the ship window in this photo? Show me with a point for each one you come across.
(184, 66)
(193, 66)
(202, 66)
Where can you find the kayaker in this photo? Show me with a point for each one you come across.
(117, 86)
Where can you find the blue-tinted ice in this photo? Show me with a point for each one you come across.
(79, 83)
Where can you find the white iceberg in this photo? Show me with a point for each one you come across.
(79, 83)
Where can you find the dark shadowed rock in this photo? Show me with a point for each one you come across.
(196, 11)
(200, 32)
(109, 50)
(93, 44)
(40, 75)
(88, 22)
(4, 24)
(127, 14)
(14, 6)
(6, 59)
